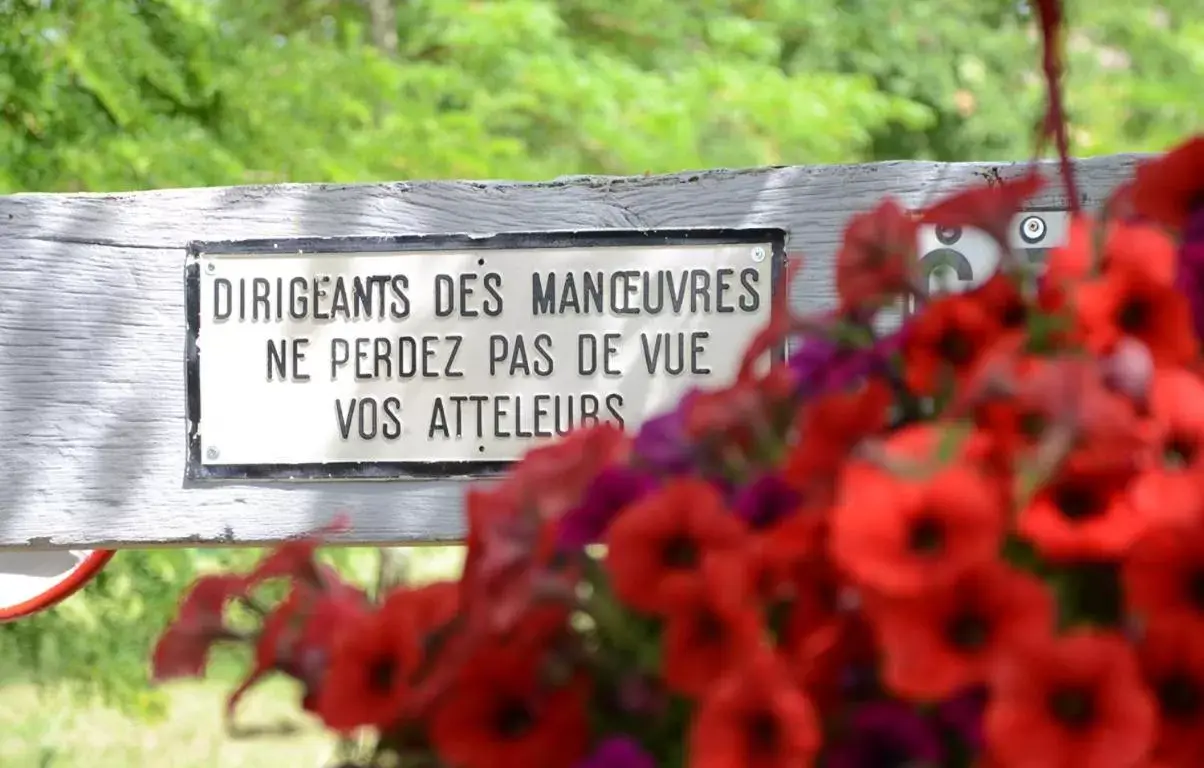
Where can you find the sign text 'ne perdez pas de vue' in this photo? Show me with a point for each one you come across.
(388, 357)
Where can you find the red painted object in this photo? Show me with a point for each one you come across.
(30, 584)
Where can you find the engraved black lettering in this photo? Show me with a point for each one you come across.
(320, 292)
(652, 351)
(223, 295)
(610, 350)
(260, 289)
(363, 356)
(492, 306)
(340, 355)
(430, 368)
(650, 307)
(391, 429)
(518, 357)
(438, 423)
(382, 357)
(541, 414)
(449, 369)
(543, 294)
(569, 299)
(587, 354)
(677, 292)
(369, 418)
(445, 295)
(399, 308)
(700, 291)
(750, 300)
(361, 294)
(298, 298)
(543, 364)
(276, 359)
(592, 299)
(466, 291)
(614, 405)
(500, 411)
(407, 357)
(499, 351)
(344, 414)
(340, 302)
(563, 426)
(723, 286)
(479, 401)
(519, 431)
(589, 410)
(299, 346)
(697, 349)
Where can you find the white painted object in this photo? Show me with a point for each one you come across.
(34, 580)
(93, 380)
(460, 356)
(1032, 234)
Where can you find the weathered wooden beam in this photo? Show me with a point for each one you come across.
(92, 336)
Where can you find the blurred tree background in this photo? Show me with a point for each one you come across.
(109, 95)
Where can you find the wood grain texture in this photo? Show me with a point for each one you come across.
(92, 427)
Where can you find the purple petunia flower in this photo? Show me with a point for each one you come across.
(766, 500)
(887, 735)
(962, 715)
(618, 752)
(662, 444)
(820, 365)
(640, 694)
(1189, 276)
(1193, 232)
(613, 489)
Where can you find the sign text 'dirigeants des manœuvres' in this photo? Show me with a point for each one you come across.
(460, 355)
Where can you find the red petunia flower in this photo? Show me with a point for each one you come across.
(877, 259)
(1071, 702)
(1168, 189)
(1002, 302)
(183, 648)
(790, 550)
(1172, 489)
(656, 546)
(945, 340)
(1082, 516)
(828, 428)
(511, 540)
(297, 636)
(936, 645)
(1163, 576)
(371, 668)
(500, 711)
(708, 634)
(906, 535)
(989, 207)
(1172, 660)
(1132, 249)
(1013, 417)
(1120, 304)
(755, 716)
(1112, 436)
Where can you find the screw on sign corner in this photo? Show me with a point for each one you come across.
(1033, 229)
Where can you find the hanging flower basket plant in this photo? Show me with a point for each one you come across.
(978, 540)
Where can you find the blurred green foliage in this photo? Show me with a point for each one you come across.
(108, 95)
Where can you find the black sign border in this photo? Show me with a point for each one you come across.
(195, 470)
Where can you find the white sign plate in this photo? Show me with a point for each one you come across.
(308, 355)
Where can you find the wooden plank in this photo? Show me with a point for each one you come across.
(92, 436)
